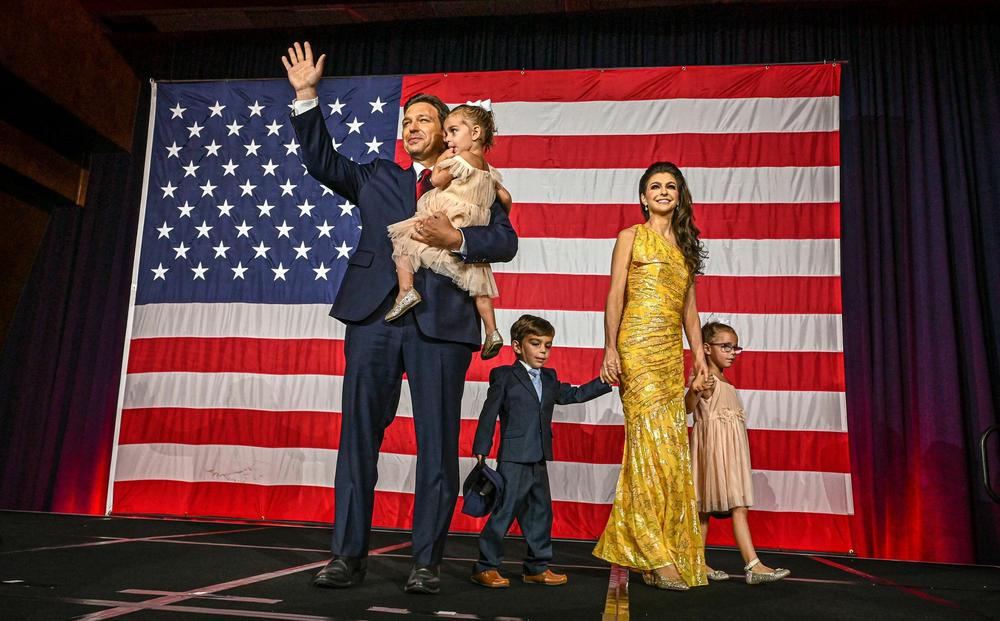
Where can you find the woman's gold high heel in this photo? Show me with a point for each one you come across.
(653, 579)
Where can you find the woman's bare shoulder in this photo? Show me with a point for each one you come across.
(627, 235)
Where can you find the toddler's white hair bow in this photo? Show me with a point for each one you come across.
(485, 104)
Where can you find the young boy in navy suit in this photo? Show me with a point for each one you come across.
(523, 396)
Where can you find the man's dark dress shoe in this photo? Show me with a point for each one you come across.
(341, 572)
(424, 579)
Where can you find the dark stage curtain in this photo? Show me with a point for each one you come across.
(63, 354)
(921, 229)
(920, 142)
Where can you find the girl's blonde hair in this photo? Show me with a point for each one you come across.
(481, 117)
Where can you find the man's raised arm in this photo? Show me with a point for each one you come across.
(321, 159)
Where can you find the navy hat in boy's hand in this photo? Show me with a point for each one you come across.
(482, 491)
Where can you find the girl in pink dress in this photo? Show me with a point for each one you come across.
(720, 453)
(465, 186)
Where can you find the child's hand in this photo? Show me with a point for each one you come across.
(480, 458)
(504, 197)
(611, 367)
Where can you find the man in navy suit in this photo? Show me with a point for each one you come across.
(523, 396)
(433, 344)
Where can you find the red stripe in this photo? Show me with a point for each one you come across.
(228, 426)
(820, 532)
(716, 294)
(815, 451)
(631, 84)
(798, 371)
(237, 355)
(572, 442)
(805, 531)
(716, 221)
(770, 294)
(737, 150)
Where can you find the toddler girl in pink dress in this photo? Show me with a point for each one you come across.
(465, 187)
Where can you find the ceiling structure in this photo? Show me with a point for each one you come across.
(118, 16)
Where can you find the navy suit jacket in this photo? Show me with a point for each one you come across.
(526, 422)
(384, 194)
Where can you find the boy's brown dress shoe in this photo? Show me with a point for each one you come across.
(491, 578)
(547, 577)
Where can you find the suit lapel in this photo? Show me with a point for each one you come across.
(522, 374)
(548, 385)
(407, 184)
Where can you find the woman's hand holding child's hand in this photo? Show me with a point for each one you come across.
(611, 367)
(701, 376)
(709, 388)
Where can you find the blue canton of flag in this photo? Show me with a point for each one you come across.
(231, 214)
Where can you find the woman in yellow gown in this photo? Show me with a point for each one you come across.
(653, 526)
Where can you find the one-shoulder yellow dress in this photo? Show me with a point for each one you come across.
(654, 519)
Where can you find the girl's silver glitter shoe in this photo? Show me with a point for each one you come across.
(405, 303)
(762, 578)
(717, 575)
(494, 341)
(654, 579)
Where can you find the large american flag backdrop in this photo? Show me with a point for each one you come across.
(231, 397)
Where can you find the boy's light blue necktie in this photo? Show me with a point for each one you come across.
(536, 381)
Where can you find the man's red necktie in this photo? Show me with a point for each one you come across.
(424, 182)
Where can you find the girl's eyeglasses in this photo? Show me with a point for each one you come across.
(729, 348)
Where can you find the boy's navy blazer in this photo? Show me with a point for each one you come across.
(526, 422)
(384, 194)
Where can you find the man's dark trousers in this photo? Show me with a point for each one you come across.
(377, 353)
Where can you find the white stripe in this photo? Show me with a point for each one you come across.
(249, 391)
(583, 186)
(579, 329)
(779, 410)
(585, 329)
(808, 492)
(766, 409)
(269, 321)
(800, 491)
(726, 257)
(667, 116)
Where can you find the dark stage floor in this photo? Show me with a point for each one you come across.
(72, 567)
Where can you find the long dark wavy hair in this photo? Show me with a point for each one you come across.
(682, 221)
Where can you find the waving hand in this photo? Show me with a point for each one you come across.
(303, 73)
